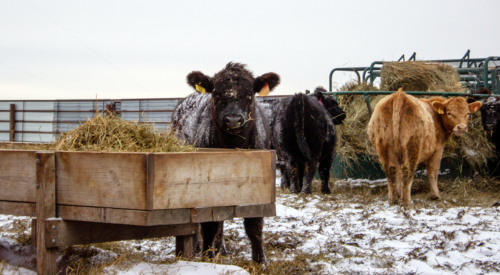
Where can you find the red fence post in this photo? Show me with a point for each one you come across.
(12, 122)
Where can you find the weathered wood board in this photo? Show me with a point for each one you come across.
(144, 181)
(116, 180)
(189, 180)
(17, 176)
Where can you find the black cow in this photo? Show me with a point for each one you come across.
(303, 136)
(224, 114)
(490, 118)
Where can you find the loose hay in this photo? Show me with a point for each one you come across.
(113, 134)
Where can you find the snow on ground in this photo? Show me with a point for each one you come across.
(338, 235)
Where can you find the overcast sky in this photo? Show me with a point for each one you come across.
(145, 49)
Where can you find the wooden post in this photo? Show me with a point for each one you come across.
(12, 122)
(45, 208)
(184, 246)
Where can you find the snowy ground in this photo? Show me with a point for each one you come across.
(334, 234)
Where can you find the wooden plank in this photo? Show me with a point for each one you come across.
(212, 214)
(17, 176)
(33, 232)
(223, 213)
(64, 233)
(151, 174)
(184, 246)
(201, 214)
(116, 180)
(253, 211)
(18, 208)
(123, 216)
(273, 170)
(190, 180)
(45, 209)
(169, 216)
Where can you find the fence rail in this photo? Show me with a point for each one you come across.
(41, 120)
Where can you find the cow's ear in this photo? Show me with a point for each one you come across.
(265, 83)
(474, 106)
(200, 82)
(439, 107)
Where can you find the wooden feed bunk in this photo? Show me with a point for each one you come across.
(87, 197)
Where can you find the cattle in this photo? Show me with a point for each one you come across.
(490, 118)
(304, 136)
(406, 131)
(223, 114)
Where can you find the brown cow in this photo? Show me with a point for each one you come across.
(407, 131)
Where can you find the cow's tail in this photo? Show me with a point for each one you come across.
(298, 106)
(397, 113)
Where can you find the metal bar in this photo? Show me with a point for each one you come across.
(367, 100)
(346, 69)
(409, 92)
(12, 122)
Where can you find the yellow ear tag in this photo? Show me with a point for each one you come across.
(199, 88)
(265, 90)
(440, 111)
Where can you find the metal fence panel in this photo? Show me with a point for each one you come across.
(31, 126)
(28, 137)
(39, 105)
(36, 116)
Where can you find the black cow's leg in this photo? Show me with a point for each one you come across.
(295, 177)
(209, 230)
(324, 173)
(219, 244)
(301, 176)
(285, 181)
(253, 228)
(310, 170)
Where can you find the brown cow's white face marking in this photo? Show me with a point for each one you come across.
(455, 114)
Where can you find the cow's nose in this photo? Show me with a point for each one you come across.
(489, 126)
(462, 128)
(233, 121)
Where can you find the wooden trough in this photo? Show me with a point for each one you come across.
(87, 197)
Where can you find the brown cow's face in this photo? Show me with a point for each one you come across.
(233, 95)
(455, 114)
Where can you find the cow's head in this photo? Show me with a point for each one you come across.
(338, 115)
(454, 113)
(233, 95)
(490, 114)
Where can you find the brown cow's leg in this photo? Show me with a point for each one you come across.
(390, 172)
(412, 152)
(432, 172)
(209, 230)
(253, 228)
(310, 170)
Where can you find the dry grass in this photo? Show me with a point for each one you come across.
(419, 76)
(113, 134)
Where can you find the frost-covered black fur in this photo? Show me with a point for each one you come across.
(490, 118)
(304, 136)
(226, 117)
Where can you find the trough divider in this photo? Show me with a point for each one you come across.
(45, 209)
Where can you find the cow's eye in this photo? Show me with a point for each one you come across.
(449, 114)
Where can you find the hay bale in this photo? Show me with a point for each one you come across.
(420, 76)
(113, 134)
(352, 140)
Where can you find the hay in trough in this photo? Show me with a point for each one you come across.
(420, 76)
(113, 134)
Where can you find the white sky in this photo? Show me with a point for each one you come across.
(145, 49)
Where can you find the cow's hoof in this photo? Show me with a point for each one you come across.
(326, 191)
(306, 192)
(435, 197)
(260, 260)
